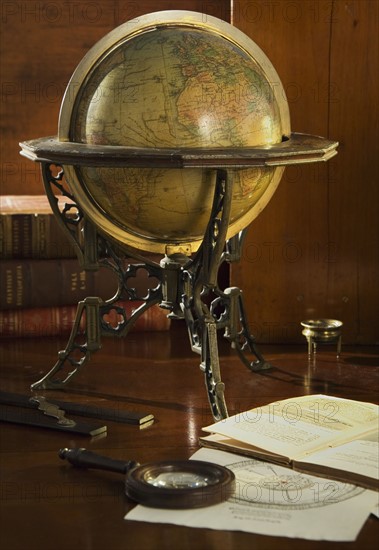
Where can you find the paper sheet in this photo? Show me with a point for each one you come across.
(272, 500)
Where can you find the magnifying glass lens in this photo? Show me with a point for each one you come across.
(177, 480)
(179, 484)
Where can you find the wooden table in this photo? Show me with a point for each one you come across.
(47, 504)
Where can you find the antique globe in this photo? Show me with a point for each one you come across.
(168, 81)
(173, 135)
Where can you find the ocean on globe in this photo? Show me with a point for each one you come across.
(172, 86)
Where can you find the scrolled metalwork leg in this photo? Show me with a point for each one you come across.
(197, 280)
(247, 343)
(233, 319)
(68, 362)
(211, 368)
(70, 218)
(202, 330)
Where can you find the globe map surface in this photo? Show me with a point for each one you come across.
(182, 84)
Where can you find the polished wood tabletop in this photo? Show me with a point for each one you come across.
(48, 504)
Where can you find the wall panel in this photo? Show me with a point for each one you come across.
(41, 45)
(353, 285)
(313, 252)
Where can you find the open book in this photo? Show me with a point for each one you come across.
(317, 434)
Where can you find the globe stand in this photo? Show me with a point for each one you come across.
(187, 288)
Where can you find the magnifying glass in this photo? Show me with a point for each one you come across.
(165, 484)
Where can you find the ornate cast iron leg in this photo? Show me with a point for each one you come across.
(70, 217)
(211, 367)
(204, 271)
(76, 354)
(236, 328)
(226, 310)
(90, 321)
(78, 351)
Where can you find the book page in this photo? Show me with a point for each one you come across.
(329, 412)
(299, 426)
(359, 457)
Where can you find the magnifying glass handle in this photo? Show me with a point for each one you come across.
(87, 459)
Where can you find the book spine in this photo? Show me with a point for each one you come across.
(58, 321)
(33, 236)
(45, 283)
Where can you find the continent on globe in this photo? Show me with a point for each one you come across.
(177, 86)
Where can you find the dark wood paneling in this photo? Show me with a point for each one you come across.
(313, 252)
(353, 287)
(42, 43)
(41, 46)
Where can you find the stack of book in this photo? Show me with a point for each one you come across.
(40, 278)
